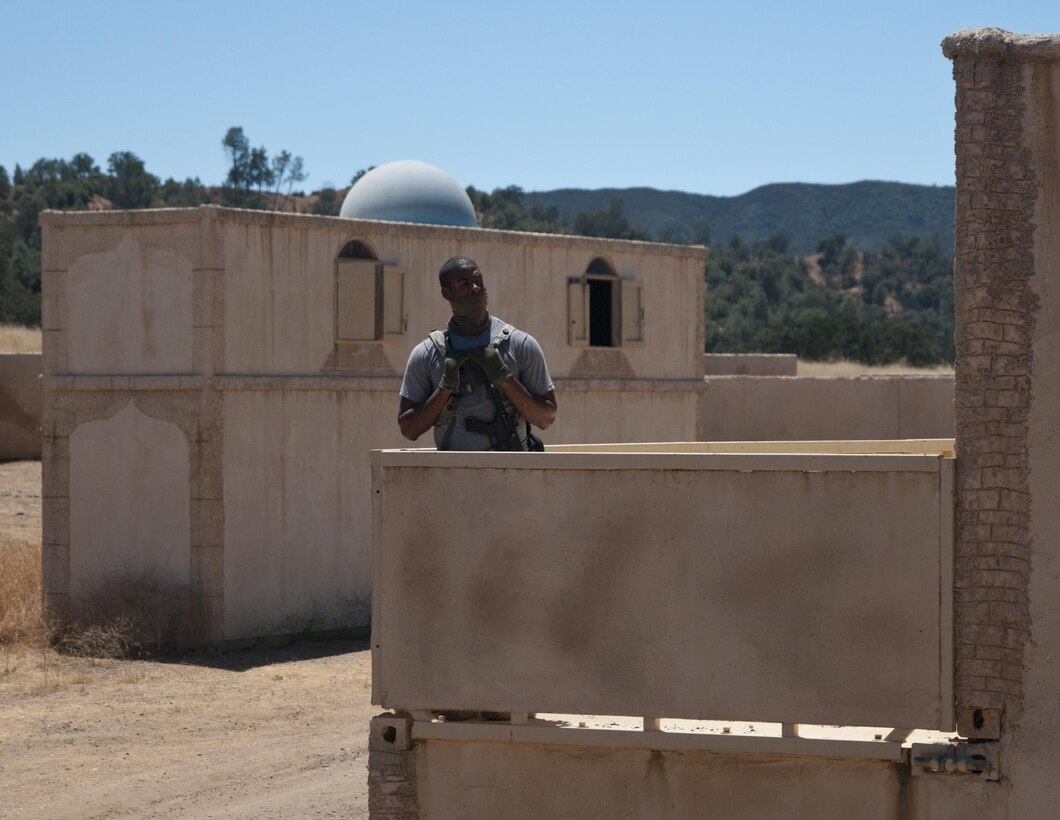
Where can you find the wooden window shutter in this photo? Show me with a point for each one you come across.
(393, 301)
(356, 295)
(577, 312)
(632, 312)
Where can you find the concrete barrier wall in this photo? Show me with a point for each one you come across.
(750, 364)
(637, 594)
(742, 408)
(20, 405)
(652, 584)
(517, 781)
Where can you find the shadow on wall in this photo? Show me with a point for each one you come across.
(21, 400)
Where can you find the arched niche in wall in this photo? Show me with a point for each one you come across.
(130, 502)
(130, 311)
(603, 309)
(369, 296)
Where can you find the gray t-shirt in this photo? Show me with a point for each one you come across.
(521, 353)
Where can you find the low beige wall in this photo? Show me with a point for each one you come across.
(684, 585)
(20, 405)
(750, 364)
(598, 410)
(743, 408)
(468, 781)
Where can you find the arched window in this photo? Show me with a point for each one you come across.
(369, 296)
(356, 249)
(604, 310)
(601, 281)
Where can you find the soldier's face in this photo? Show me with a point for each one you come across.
(464, 283)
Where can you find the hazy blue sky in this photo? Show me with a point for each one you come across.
(695, 96)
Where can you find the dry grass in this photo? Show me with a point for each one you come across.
(28, 663)
(18, 339)
(21, 619)
(123, 615)
(38, 656)
(844, 369)
(34, 670)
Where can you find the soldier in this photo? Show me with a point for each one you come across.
(480, 383)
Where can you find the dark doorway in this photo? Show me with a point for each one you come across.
(600, 313)
(601, 279)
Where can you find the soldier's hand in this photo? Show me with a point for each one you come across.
(492, 364)
(450, 381)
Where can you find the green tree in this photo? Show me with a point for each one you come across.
(507, 209)
(669, 236)
(611, 223)
(130, 185)
(19, 278)
(286, 171)
(237, 147)
(28, 206)
(186, 194)
(327, 202)
(82, 166)
(761, 299)
(250, 173)
(5, 191)
(838, 261)
(259, 171)
(239, 178)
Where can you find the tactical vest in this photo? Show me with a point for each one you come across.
(503, 430)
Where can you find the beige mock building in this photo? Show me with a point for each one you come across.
(214, 380)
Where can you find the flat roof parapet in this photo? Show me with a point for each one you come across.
(168, 216)
(996, 42)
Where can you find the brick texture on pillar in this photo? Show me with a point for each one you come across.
(392, 791)
(996, 308)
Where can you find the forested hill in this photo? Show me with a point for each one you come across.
(867, 213)
(859, 271)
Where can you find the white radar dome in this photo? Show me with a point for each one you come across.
(409, 191)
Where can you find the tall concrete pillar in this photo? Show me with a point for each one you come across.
(1007, 415)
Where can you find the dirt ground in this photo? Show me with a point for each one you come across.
(20, 508)
(265, 733)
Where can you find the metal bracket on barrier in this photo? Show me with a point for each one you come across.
(982, 759)
(391, 733)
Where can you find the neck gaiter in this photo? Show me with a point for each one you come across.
(470, 316)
